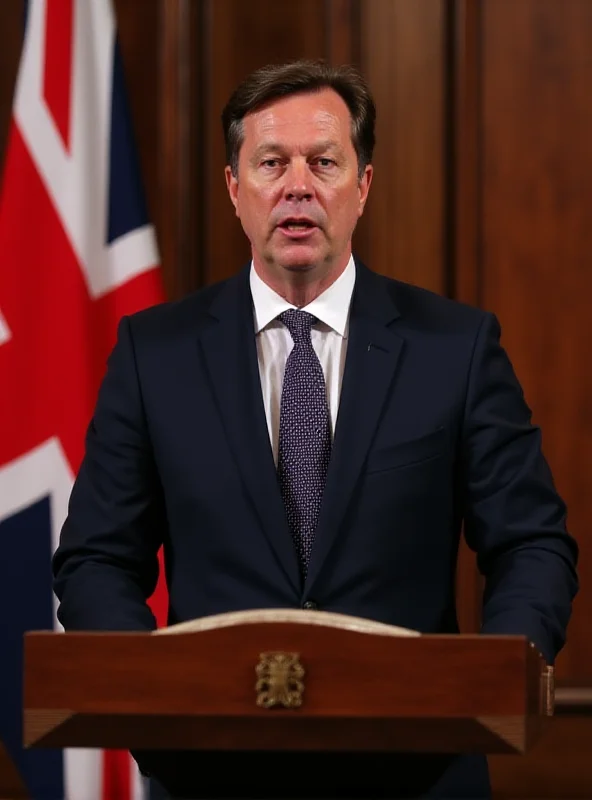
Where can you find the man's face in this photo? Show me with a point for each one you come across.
(298, 195)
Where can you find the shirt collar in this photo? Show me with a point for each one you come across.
(330, 307)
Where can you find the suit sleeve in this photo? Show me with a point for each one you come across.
(106, 564)
(514, 519)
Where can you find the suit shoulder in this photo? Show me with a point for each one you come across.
(432, 311)
(177, 316)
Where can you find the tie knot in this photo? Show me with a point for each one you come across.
(298, 323)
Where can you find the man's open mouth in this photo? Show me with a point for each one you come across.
(297, 225)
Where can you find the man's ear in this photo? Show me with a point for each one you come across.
(232, 186)
(364, 187)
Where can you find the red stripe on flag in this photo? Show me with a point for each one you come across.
(57, 78)
(117, 777)
(159, 602)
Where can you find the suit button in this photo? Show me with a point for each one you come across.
(310, 605)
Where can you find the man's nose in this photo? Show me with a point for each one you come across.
(298, 185)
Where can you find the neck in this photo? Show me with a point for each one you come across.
(299, 287)
(301, 296)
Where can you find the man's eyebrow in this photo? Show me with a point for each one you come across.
(327, 144)
(266, 147)
(277, 148)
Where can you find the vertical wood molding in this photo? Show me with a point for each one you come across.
(465, 108)
(403, 57)
(342, 27)
(179, 231)
(464, 219)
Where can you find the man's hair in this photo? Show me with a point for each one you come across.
(299, 77)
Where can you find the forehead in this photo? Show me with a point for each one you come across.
(299, 116)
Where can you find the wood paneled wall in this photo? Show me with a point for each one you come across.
(483, 180)
(535, 266)
(403, 55)
(523, 172)
(523, 248)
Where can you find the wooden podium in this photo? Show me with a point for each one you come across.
(284, 680)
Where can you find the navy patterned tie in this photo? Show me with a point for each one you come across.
(305, 435)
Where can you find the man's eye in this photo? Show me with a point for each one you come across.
(325, 162)
(271, 163)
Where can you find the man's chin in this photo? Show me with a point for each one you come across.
(298, 266)
(299, 259)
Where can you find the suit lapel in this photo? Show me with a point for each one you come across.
(373, 351)
(230, 353)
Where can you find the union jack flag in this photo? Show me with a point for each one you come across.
(76, 253)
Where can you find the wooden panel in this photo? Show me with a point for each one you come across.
(464, 110)
(523, 245)
(181, 141)
(558, 766)
(150, 69)
(11, 30)
(464, 192)
(485, 694)
(403, 57)
(342, 31)
(537, 241)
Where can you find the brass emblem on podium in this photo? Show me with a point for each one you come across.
(279, 680)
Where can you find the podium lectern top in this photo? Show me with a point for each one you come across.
(284, 680)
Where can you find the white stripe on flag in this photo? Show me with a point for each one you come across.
(140, 788)
(83, 774)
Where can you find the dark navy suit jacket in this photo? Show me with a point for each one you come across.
(432, 432)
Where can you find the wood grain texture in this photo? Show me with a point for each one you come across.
(181, 159)
(325, 736)
(374, 691)
(523, 250)
(464, 220)
(352, 674)
(342, 31)
(465, 109)
(537, 242)
(558, 765)
(403, 57)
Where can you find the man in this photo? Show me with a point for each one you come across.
(311, 434)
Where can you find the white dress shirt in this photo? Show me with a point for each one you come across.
(274, 342)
